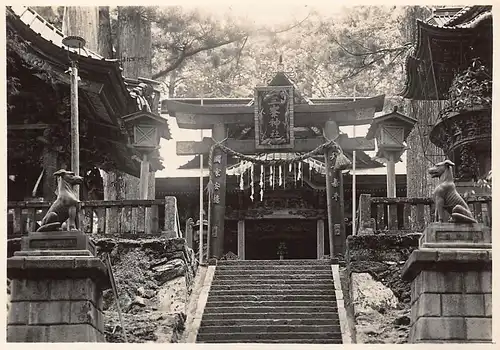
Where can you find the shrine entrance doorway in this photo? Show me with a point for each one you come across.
(292, 239)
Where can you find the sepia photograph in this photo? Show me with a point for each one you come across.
(294, 172)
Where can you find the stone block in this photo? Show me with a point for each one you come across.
(81, 333)
(99, 320)
(452, 233)
(439, 328)
(49, 312)
(28, 290)
(57, 240)
(487, 304)
(83, 312)
(478, 328)
(49, 262)
(478, 281)
(60, 289)
(439, 282)
(463, 304)
(428, 304)
(27, 334)
(18, 313)
(83, 289)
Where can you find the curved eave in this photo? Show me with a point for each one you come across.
(418, 61)
(91, 67)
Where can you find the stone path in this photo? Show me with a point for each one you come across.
(271, 301)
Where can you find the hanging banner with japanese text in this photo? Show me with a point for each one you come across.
(274, 117)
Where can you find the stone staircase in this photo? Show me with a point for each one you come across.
(271, 301)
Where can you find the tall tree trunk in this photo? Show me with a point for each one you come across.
(135, 53)
(105, 40)
(134, 41)
(82, 21)
(421, 152)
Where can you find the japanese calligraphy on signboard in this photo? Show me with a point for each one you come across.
(274, 117)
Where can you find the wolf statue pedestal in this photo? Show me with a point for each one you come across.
(56, 289)
(451, 280)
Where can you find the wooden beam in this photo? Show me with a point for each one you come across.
(188, 148)
(38, 126)
(206, 121)
(190, 116)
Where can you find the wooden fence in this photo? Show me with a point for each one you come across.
(120, 217)
(381, 214)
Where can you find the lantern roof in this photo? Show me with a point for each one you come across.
(146, 117)
(394, 116)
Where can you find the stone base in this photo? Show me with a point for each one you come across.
(450, 294)
(56, 298)
(57, 240)
(453, 235)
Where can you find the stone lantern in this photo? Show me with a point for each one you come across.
(145, 129)
(391, 130)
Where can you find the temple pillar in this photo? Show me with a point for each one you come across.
(320, 238)
(218, 179)
(144, 180)
(241, 239)
(334, 196)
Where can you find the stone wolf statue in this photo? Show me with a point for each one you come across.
(446, 196)
(65, 205)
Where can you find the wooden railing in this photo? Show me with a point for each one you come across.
(381, 214)
(119, 217)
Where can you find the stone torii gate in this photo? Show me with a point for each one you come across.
(219, 115)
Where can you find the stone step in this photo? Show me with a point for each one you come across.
(257, 296)
(273, 262)
(209, 308)
(286, 268)
(276, 341)
(270, 303)
(268, 316)
(289, 336)
(269, 329)
(320, 321)
(272, 291)
(277, 287)
(310, 281)
(264, 277)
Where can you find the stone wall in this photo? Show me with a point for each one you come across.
(154, 279)
(378, 300)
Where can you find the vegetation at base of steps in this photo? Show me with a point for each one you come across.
(382, 257)
(153, 278)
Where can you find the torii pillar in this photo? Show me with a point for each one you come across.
(218, 179)
(334, 196)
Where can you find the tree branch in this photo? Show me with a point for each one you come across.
(188, 53)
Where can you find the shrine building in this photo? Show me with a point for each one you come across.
(273, 178)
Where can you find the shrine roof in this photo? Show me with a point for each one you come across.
(441, 16)
(106, 95)
(444, 48)
(48, 41)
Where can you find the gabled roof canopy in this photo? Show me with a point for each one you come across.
(441, 51)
